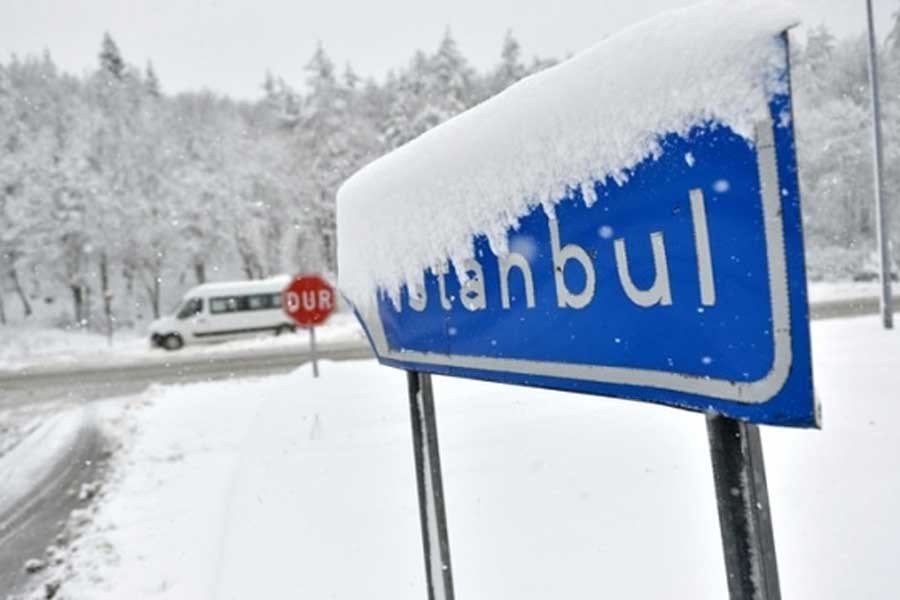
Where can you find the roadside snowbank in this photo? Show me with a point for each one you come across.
(830, 291)
(34, 343)
(290, 486)
(31, 348)
(587, 120)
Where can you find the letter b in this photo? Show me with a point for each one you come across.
(564, 296)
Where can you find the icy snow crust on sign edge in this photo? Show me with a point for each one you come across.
(591, 118)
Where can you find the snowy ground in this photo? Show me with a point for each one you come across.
(25, 346)
(294, 487)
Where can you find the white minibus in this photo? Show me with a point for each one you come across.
(224, 311)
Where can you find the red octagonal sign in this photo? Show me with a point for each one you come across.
(308, 300)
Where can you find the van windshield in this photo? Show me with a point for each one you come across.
(191, 307)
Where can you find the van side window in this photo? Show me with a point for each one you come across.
(191, 307)
(218, 306)
(260, 302)
(229, 304)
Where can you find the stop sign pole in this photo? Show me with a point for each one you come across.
(309, 301)
(312, 351)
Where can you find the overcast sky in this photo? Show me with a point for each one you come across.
(227, 45)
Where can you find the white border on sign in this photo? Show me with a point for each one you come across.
(747, 392)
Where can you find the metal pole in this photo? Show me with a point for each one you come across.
(744, 516)
(312, 351)
(432, 514)
(884, 256)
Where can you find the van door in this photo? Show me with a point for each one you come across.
(262, 313)
(225, 318)
(192, 318)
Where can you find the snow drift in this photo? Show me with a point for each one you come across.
(588, 119)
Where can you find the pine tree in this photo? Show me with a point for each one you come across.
(407, 101)
(281, 102)
(819, 52)
(511, 68)
(449, 87)
(151, 82)
(351, 79)
(110, 58)
(337, 138)
(321, 136)
(400, 111)
(893, 38)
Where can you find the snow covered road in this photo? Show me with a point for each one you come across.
(289, 486)
(82, 382)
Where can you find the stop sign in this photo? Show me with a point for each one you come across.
(308, 300)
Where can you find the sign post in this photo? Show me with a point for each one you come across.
(744, 516)
(309, 301)
(313, 352)
(883, 234)
(432, 514)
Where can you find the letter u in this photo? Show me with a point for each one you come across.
(659, 292)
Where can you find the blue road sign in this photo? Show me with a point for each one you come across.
(684, 286)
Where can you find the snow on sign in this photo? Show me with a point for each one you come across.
(670, 269)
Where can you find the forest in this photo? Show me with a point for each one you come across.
(116, 196)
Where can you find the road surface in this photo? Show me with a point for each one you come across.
(28, 528)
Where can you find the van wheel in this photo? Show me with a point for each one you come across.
(172, 341)
(283, 329)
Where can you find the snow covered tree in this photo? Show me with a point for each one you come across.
(327, 146)
(834, 145)
(124, 195)
(428, 92)
(198, 182)
(45, 197)
(118, 191)
(148, 198)
(406, 100)
(818, 58)
(451, 81)
(8, 243)
(281, 101)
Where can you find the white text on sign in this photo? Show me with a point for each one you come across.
(473, 296)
